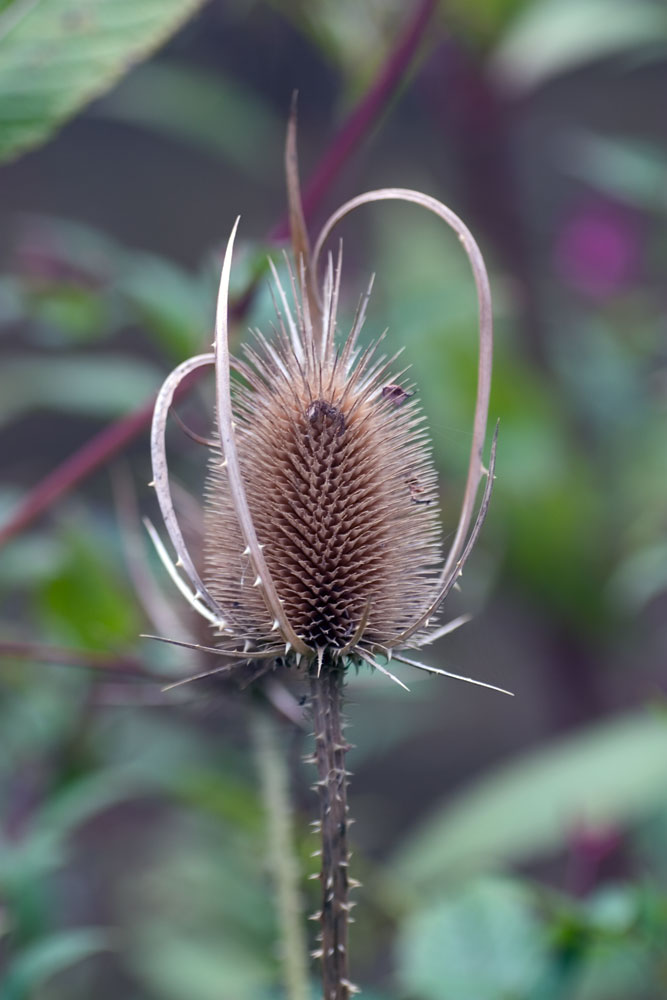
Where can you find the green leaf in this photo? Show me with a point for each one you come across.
(172, 304)
(546, 498)
(36, 965)
(45, 846)
(102, 385)
(111, 286)
(56, 55)
(67, 314)
(200, 922)
(88, 604)
(69, 248)
(484, 941)
(640, 577)
(175, 966)
(611, 773)
(29, 560)
(31, 724)
(354, 37)
(485, 20)
(630, 170)
(616, 971)
(552, 37)
(201, 108)
(613, 910)
(11, 301)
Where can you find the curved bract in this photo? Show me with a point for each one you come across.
(322, 536)
(475, 466)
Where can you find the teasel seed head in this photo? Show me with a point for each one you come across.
(341, 489)
(322, 530)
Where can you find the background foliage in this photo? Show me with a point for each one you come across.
(509, 849)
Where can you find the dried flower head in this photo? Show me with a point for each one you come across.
(322, 535)
(322, 531)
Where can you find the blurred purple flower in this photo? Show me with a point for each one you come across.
(597, 250)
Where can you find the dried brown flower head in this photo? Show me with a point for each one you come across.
(322, 532)
(322, 536)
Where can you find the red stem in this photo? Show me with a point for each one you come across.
(356, 126)
(90, 659)
(114, 438)
(78, 466)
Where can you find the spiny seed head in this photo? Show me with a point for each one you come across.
(342, 493)
(322, 536)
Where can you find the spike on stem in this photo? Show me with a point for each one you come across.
(326, 703)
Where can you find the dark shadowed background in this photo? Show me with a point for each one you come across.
(509, 849)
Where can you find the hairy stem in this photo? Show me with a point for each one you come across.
(283, 863)
(326, 693)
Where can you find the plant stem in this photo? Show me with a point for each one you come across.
(89, 659)
(358, 124)
(283, 863)
(326, 692)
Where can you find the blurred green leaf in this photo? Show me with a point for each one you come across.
(175, 966)
(628, 169)
(44, 846)
(617, 970)
(35, 965)
(31, 725)
(221, 795)
(549, 504)
(204, 109)
(177, 308)
(640, 577)
(201, 921)
(354, 37)
(483, 941)
(87, 603)
(641, 485)
(69, 313)
(612, 773)
(50, 246)
(486, 20)
(80, 285)
(550, 511)
(613, 909)
(102, 385)
(551, 37)
(57, 56)
(30, 560)
(651, 845)
(154, 747)
(11, 300)
(604, 374)
(83, 799)
(174, 306)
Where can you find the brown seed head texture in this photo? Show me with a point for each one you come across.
(329, 464)
(322, 533)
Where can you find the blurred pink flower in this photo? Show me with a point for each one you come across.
(597, 250)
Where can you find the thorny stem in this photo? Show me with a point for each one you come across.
(326, 695)
(284, 867)
(114, 438)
